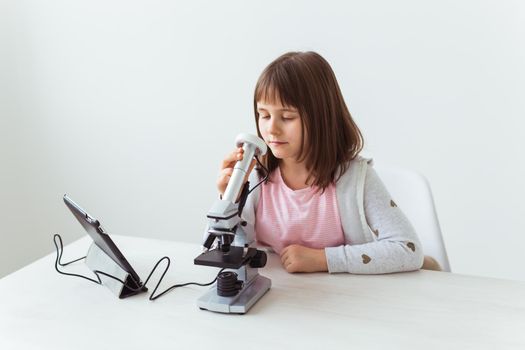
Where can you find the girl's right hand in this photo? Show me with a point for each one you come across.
(227, 169)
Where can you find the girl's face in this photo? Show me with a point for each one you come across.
(280, 128)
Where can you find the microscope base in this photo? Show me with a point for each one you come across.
(238, 304)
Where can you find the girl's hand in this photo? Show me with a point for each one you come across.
(227, 169)
(297, 258)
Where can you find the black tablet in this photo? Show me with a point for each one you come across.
(103, 241)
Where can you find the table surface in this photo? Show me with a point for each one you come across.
(41, 309)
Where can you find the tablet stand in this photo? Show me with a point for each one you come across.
(98, 260)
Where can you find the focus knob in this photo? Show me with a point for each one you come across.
(259, 260)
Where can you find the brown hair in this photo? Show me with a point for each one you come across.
(306, 81)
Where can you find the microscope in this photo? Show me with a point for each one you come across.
(239, 286)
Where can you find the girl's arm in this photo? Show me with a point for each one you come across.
(396, 248)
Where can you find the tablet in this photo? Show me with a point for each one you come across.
(102, 240)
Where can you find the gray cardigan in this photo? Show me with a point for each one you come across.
(378, 236)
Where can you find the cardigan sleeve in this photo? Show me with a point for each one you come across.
(396, 247)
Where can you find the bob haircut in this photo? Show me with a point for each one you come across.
(305, 80)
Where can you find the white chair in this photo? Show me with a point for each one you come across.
(411, 192)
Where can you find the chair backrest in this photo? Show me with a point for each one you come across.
(411, 191)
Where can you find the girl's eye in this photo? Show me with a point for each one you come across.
(264, 116)
(288, 118)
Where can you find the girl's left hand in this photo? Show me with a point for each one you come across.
(297, 258)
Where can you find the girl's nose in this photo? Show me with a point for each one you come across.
(272, 127)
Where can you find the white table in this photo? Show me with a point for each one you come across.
(41, 309)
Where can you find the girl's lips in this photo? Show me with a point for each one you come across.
(277, 144)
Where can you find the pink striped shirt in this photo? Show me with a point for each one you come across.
(285, 216)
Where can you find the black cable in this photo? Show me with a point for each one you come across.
(59, 258)
(99, 281)
(181, 285)
(263, 180)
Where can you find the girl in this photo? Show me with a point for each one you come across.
(323, 207)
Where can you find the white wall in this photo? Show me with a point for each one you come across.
(129, 106)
